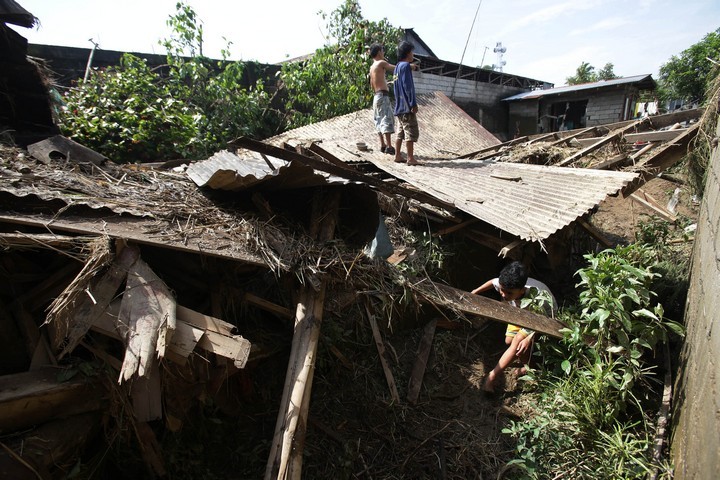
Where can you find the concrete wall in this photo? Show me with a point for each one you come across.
(605, 107)
(480, 100)
(696, 412)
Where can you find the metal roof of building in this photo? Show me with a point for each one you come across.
(529, 201)
(446, 131)
(646, 81)
(245, 169)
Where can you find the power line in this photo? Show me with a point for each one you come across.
(452, 93)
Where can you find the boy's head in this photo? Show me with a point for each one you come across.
(512, 281)
(375, 50)
(405, 51)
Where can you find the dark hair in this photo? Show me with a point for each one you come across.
(375, 49)
(513, 276)
(404, 49)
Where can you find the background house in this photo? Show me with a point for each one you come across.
(576, 106)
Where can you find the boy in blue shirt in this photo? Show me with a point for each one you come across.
(405, 103)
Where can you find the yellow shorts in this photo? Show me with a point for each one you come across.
(512, 330)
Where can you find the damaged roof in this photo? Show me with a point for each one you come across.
(446, 131)
(529, 201)
(12, 12)
(246, 169)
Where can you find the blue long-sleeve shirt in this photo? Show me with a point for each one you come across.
(404, 88)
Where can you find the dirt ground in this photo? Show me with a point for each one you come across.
(455, 430)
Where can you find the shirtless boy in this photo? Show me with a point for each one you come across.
(382, 108)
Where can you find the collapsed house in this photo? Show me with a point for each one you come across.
(172, 278)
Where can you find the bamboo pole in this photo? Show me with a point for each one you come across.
(285, 460)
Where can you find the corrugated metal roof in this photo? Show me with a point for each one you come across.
(245, 169)
(529, 201)
(647, 78)
(446, 131)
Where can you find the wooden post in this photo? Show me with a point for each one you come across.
(285, 460)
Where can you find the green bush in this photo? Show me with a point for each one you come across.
(587, 420)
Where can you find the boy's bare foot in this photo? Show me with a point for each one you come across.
(488, 383)
(399, 159)
(413, 162)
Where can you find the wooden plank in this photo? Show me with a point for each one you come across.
(148, 309)
(327, 167)
(103, 291)
(150, 448)
(495, 150)
(646, 200)
(663, 158)
(205, 322)
(455, 228)
(573, 134)
(49, 450)
(383, 361)
(146, 395)
(234, 347)
(286, 451)
(660, 136)
(31, 398)
(594, 232)
(617, 134)
(41, 240)
(616, 161)
(421, 362)
(487, 308)
(511, 247)
(131, 228)
(182, 344)
(282, 312)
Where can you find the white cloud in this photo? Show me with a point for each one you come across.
(603, 25)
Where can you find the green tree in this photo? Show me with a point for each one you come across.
(132, 114)
(334, 80)
(585, 73)
(607, 72)
(687, 76)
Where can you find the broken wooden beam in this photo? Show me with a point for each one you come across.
(280, 311)
(50, 450)
(286, 450)
(389, 377)
(100, 293)
(648, 201)
(663, 158)
(594, 232)
(418, 370)
(486, 308)
(600, 143)
(32, 398)
(148, 309)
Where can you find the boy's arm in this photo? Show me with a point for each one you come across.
(387, 65)
(483, 288)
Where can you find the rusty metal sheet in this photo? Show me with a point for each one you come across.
(529, 201)
(446, 131)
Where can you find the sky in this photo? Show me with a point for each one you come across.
(544, 39)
